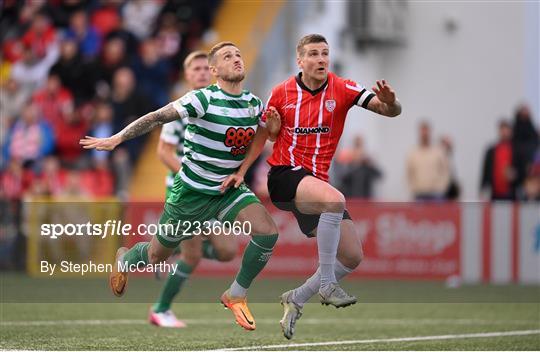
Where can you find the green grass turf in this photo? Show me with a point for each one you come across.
(121, 326)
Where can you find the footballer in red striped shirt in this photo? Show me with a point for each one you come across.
(305, 116)
(312, 120)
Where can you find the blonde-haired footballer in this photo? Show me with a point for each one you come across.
(170, 151)
(222, 120)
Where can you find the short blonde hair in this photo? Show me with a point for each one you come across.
(215, 48)
(308, 39)
(199, 54)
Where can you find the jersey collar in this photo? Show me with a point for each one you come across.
(304, 87)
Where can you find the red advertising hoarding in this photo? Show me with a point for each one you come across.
(400, 240)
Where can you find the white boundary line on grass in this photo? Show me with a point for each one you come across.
(72, 322)
(398, 339)
(309, 321)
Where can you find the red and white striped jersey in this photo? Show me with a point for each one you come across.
(312, 121)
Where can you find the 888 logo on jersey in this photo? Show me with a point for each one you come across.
(238, 139)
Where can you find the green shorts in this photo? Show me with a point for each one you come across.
(186, 209)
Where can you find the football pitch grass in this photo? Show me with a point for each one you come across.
(389, 316)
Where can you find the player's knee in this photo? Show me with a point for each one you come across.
(334, 202)
(155, 258)
(268, 227)
(264, 227)
(226, 254)
(191, 258)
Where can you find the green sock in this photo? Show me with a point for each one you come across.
(209, 252)
(137, 253)
(172, 286)
(256, 255)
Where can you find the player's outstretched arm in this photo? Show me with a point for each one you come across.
(138, 127)
(385, 102)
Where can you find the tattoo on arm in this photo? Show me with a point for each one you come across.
(390, 110)
(393, 109)
(149, 121)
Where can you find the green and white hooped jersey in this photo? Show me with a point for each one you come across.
(173, 133)
(220, 126)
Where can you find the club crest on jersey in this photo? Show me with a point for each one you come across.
(251, 110)
(290, 106)
(330, 105)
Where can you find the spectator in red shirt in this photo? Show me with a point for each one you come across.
(106, 18)
(499, 174)
(40, 35)
(68, 133)
(14, 181)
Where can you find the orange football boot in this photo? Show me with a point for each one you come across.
(118, 279)
(238, 305)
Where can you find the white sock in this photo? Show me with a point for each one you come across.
(237, 291)
(303, 293)
(327, 243)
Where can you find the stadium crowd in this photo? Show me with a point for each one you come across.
(73, 68)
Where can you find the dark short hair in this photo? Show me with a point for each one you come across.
(199, 54)
(309, 39)
(215, 49)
